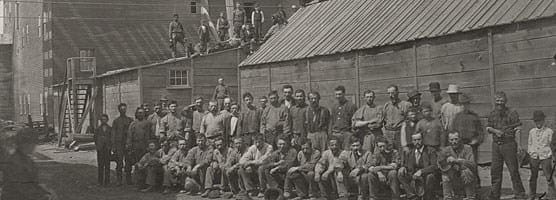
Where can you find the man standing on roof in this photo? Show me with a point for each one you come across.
(239, 20)
(204, 37)
(176, 33)
(222, 26)
(257, 18)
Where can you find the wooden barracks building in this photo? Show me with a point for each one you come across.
(484, 46)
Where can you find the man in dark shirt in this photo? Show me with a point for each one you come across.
(276, 121)
(289, 101)
(340, 120)
(103, 145)
(419, 172)
(317, 122)
(433, 132)
(384, 169)
(120, 127)
(250, 119)
(504, 125)
(140, 132)
(437, 99)
(197, 161)
(279, 162)
(468, 124)
(303, 175)
(297, 113)
(414, 97)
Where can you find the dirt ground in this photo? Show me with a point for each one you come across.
(73, 176)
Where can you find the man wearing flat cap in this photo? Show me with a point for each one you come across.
(540, 147)
(437, 99)
(449, 110)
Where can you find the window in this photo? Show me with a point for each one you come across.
(193, 7)
(178, 78)
(86, 64)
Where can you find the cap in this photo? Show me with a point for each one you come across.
(434, 86)
(538, 115)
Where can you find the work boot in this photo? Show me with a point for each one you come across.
(148, 189)
(166, 190)
(205, 194)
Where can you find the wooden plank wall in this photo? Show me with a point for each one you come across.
(123, 88)
(154, 81)
(521, 61)
(207, 70)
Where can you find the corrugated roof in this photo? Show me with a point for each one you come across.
(337, 26)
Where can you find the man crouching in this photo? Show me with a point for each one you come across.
(457, 164)
(148, 168)
(384, 169)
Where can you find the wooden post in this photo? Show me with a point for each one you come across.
(357, 79)
(415, 66)
(491, 65)
(309, 89)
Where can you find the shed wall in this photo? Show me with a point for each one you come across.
(121, 89)
(519, 54)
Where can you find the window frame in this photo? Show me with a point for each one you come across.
(172, 75)
(193, 7)
(90, 52)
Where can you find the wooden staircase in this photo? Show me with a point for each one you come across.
(76, 106)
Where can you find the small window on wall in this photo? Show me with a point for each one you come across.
(178, 78)
(86, 64)
(193, 6)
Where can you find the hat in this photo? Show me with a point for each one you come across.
(434, 86)
(413, 93)
(538, 115)
(163, 98)
(464, 98)
(453, 89)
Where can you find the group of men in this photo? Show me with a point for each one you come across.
(406, 149)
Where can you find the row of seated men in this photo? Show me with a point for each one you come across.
(303, 172)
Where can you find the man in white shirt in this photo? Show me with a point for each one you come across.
(540, 151)
(251, 165)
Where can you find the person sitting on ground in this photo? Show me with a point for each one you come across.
(167, 150)
(174, 173)
(232, 166)
(197, 161)
(279, 162)
(457, 164)
(418, 174)
(148, 168)
(251, 166)
(303, 175)
(356, 161)
(327, 171)
(214, 174)
(384, 169)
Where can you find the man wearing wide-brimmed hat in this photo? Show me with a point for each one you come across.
(437, 99)
(449, 110)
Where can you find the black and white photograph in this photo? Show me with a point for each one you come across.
(277, 99)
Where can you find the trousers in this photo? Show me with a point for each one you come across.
(391, 182)
(103, 160)
(505, 153)
(546, 165)
(304, 182)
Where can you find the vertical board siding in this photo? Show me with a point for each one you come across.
(521, 59)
